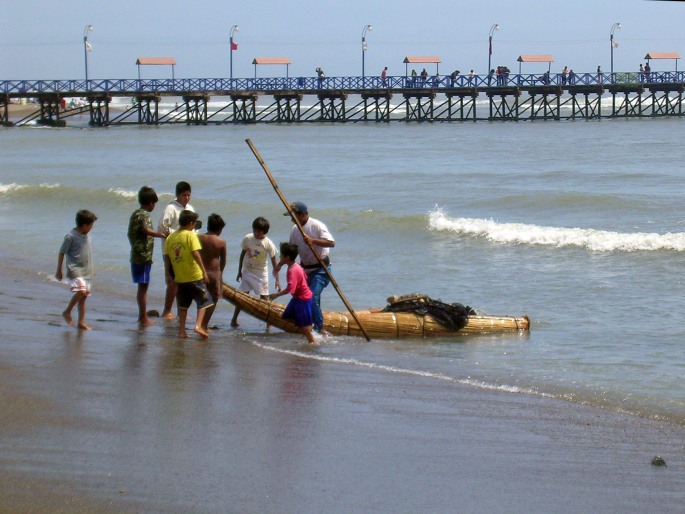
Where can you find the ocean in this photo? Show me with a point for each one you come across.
(579, 225)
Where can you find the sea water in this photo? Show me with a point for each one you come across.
(579, 225)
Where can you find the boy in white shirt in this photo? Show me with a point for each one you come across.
(253, 268)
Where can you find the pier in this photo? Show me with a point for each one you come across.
(515, 97)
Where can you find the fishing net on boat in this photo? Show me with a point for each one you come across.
(451, 315)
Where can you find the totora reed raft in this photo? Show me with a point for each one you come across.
(378, 325)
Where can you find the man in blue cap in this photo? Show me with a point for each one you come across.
(320, 239)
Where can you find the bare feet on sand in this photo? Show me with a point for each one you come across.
(145, 322)
(202, 332)
(83, 326)
(168, 315)
(183, 335)
(67, 317)
(234, 324)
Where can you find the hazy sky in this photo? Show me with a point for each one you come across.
(44, 39)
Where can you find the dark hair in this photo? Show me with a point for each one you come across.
(147, 195)
(261, 224)
(289, 250)
(187, 217)
(84, 217)
(215, 223)
(182, 187)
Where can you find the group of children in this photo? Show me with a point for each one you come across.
(193, 264)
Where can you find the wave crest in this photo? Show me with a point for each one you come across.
(558, 237)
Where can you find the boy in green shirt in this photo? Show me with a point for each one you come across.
(183, 265)
(141, 236)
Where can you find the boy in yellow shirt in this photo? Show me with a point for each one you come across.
(183, 265)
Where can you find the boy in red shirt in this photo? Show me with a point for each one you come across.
(300, 306)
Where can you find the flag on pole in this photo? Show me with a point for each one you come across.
(234, 46)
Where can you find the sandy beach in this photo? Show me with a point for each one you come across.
(122, 420)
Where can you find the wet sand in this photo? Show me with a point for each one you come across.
(122, 420)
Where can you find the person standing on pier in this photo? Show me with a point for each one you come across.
(424, 76)
(168, 224)
(453, 77)
(317, 235)
(384, 76)
(320, 75)
(648, 70)
(564, 75)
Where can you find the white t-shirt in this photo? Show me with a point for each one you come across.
(168, 222)
(257, 251)
(314, 229)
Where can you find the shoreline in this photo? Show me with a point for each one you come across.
(122, 420)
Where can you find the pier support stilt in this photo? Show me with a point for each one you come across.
(196, 109)
(148, 109)
(98, 107)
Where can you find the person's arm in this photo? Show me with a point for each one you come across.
(198, 259)
(165, 221)
(274, 265)
(60, 261)
(167, 270)
(326, 243)
(240, 266)
(273, 296)
(154, 233)
(222, 258)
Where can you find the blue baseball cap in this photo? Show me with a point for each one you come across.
(296, 208)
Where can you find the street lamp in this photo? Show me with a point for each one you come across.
(493, 29)
(614, 44)
(86, 48)
(234, 46)
(364, 46)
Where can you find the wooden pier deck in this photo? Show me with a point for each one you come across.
(345, 99)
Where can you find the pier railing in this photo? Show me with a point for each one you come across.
(27, 88)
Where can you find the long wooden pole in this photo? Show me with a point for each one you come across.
(304, 236)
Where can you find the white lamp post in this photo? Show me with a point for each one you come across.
(613, 44)
(86, 48)
(493, 29)
(234, 29)
(367, 28)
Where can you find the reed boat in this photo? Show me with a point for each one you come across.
(377, 323)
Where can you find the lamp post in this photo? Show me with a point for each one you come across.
(367, 28)
(234, 28)
(613, 44)
(493, 29)
(86, 48)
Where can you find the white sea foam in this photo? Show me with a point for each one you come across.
(7, 189)
(124, 193)
(404, 371)
(521, 233)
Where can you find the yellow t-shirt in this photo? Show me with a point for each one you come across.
(179, 247)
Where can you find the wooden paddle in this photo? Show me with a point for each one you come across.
(304, 236)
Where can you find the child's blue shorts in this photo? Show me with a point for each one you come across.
(141, 273)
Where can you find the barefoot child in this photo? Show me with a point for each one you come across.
(183, 265)
(300, 306)
(253, 270)
(77, 250)
(141, 236)
(168, 223)
(213, 255)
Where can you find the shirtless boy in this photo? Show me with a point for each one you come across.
(213, 255)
